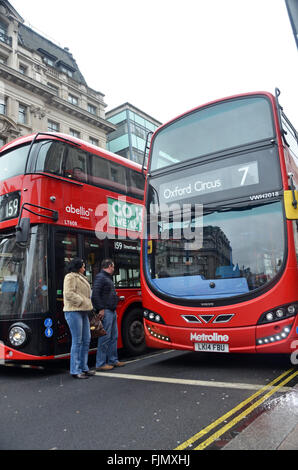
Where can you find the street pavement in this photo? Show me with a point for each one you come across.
(275, 429)
(187, 397)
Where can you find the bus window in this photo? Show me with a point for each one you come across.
(126, 256)
(66, 248)
(75, 164)
(93, 255)
(23, 275)
(50, 157)
(213, 129)
(107, 174)
(100, 167)
(117, 174)
(292, 139)
(136, 183)
(13, 163)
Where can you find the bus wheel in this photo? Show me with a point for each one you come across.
(133, 335)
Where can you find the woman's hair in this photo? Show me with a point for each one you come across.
(75, 265)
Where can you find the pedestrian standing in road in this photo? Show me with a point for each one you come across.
(105, 300)
(77, 307)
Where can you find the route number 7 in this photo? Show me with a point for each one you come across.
(245, 171)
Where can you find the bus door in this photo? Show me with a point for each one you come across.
(93, 254)
(126, 256)
(66, 247)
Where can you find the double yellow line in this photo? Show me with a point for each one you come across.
(289, 374)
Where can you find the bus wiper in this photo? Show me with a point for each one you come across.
(209, 210)
(242, 207)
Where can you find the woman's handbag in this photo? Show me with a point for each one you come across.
(96, 327)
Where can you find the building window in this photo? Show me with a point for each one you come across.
(49, 61)
(91, 108)
(2, 141)
(3, 28)
(3, 60)
(74, 133)
(3, 34)
(22, 119)
(53, 126)
(66, 71)
(23, 69)
(2, 105)
(73, 99)
(93, 141)
(54, 88)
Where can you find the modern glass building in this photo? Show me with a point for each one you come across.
(133, 125)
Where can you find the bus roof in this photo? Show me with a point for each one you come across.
(83, 144)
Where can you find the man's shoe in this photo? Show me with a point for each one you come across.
(89, 373)
(105, 367)
(119, 364)
(80, 376)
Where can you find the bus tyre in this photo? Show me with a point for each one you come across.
(133, 334)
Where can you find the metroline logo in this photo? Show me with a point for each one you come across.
(212, 338)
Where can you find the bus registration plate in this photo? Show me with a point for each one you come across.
(212, 347)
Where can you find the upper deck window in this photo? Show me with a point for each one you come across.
(13, 163)
(71, 162)
(218, 127)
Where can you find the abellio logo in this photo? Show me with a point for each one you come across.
(81, 211)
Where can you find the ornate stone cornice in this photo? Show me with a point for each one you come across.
(50, 98)
(8, 128)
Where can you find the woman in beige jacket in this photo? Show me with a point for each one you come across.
(77, 306)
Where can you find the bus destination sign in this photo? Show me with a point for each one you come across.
(9, 206)
(200, 184)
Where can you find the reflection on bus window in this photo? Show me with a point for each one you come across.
(126, 256)
(23, 275)
(50, 157)
(65, 160)
(66, 249)
(93, 255)
(241, 251)
(76, 164)
(13, 163)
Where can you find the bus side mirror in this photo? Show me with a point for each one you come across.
(23, 231)
(291, 204)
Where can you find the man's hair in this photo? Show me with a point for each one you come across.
(106, 263)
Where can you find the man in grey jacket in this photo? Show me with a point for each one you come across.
(105, 300)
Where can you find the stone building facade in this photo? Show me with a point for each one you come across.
(42, 88)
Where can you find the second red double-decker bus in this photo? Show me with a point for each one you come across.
(230, 168)
(61, 197)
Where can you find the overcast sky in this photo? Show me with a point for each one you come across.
(168, 56)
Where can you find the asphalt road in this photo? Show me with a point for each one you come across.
(166, 400)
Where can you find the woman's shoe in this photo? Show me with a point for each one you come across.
(89, 373)
(80, 376)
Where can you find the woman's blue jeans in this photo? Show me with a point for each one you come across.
(79, 326)
(107, 345)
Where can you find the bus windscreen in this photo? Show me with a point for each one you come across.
(221, 126)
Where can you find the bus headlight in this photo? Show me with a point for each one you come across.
(279, 313)
(18, 334)
(154, 317)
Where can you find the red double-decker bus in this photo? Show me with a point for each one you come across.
(223, 277)
(61, 197)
